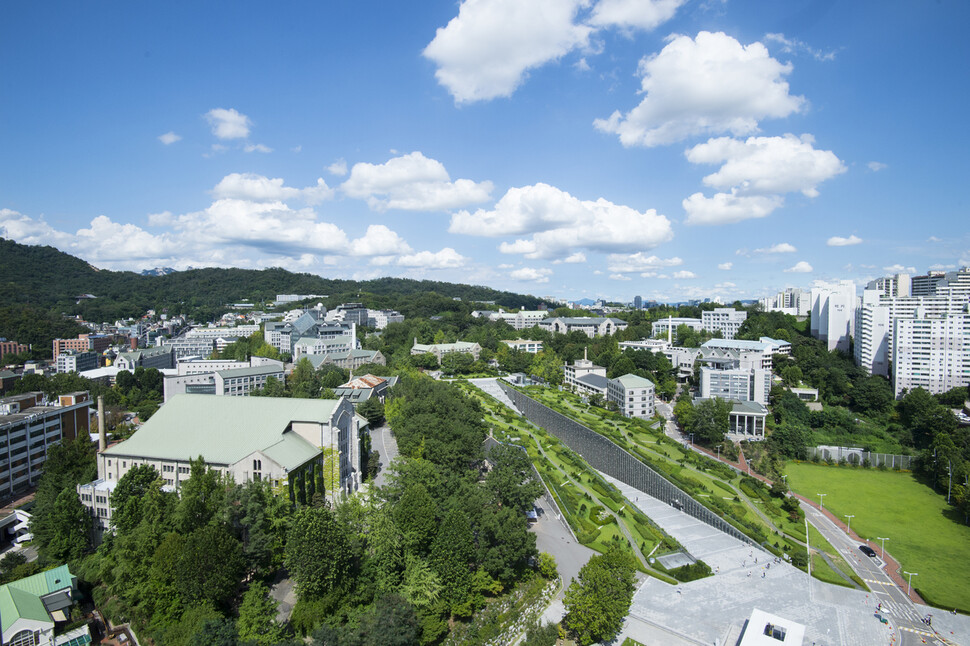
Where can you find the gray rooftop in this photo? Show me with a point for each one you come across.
(737, 344)
(250, 372)
(224, 430)
(596, 381)
(634, 381)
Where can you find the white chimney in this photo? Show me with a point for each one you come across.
(102, 439)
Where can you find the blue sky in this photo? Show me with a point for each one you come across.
(668, 148)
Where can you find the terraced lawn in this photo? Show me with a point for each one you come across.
(925, 534)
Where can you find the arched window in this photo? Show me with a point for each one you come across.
(26, 638)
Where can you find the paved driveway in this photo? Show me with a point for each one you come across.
(382, 441)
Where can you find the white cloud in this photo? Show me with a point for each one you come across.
(619, 277)
(577, 257)
(899, 269)
(942, 267)
(639, 262)
(875, 166)
(257, 148)
(633, 14)
(487, 49)
(379, 241)
(540, 275)
(560, 223)
(412, 182)
(934, 239)
(800, 267)
(781, 247)
(296, 149)
(711, 84)
(838, 241)
(725, 266)
(684, 274)
(447, 258)
(727, 208)
(795, 46)
(338, 168)
(762, 165)
(26, 230)
(250, 186)
(169, 138)
(267, 225)
(228, 124)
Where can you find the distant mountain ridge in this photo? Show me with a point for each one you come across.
(47, 277)
(159, 271)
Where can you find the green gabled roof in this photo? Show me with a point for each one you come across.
(223, 430)
(291, 451)
(21, 599)
(634, 381)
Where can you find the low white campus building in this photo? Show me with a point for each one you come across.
(633, 395)
(524, 345)
(248, 438)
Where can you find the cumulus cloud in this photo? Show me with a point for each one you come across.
(619, 277)
(781, 247)
(875, 166)
(639, 262)
(487, 49)
(540, 275)
(762, 165)
(228, 123)
(575, 258)
(795, 46)
(838, 241)
(447, 258)
(250, 186)
(257, 148)
(169, 138)
(711, 84)
(633, 14)
(379, 241)
(725, 266)
(338, 168)
(934, 239)
(899, 269)
(412, 182)
(728, 208)
(559, 222)
(683, 274)
(800, 267)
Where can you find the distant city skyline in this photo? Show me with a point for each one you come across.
(672, 149)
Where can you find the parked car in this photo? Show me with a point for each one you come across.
(868, 551)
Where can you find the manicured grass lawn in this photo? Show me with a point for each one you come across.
(925, 534)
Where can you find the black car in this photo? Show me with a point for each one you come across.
(868, 551)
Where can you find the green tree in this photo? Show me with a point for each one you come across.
(547, 365)
(709, 422)
(415, 517)
(70, 529)
(452, 554)
(373, 410)
(871, 395)
(128, 495)
(303, 382)
(68, 464)
(317, 551)
(257, 613)
(511, 480)
(201, 496)
(597, 603)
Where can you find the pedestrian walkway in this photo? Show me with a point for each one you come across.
(701, 612)
(491, 387)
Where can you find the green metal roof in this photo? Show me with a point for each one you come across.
(223, 430)
(634, 381)
(21, 598)
(249, 372)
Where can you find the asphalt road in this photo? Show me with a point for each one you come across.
(905, 615)
(382, 440)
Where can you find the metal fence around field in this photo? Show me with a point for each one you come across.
(857, 456)
(603, 455)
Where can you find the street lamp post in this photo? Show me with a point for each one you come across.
(880, 538)
(848, 523)
(910, 584)
(949, 486)
(718, 452)
(820, 500)
(692, 439)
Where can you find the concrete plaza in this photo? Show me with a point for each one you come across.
(713, 610)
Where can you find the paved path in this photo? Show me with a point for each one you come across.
(715, 608)
(491, 387)
(382, 439)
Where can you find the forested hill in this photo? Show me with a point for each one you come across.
(48, 278)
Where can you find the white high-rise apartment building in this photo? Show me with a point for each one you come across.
(725, 320)
(791, 301)
(833, 314)
(933, 353)
(936, 295)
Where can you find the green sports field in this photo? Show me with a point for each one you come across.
(924, 533)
